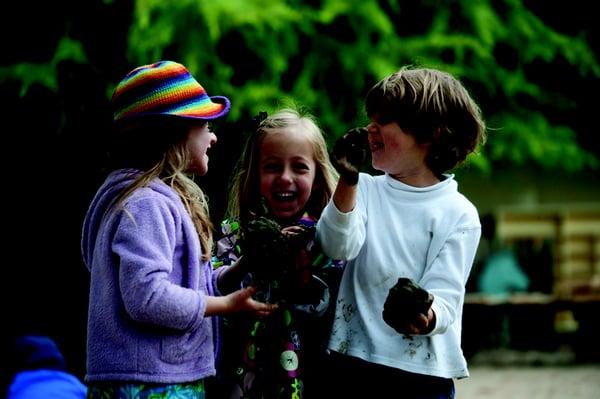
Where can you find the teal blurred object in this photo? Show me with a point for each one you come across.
(502, 275)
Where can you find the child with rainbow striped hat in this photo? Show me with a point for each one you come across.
(147, 239)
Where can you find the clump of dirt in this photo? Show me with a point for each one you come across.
(270, 253)
(404, 302)
(350, 153)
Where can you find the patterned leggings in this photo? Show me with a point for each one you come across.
(116, 390)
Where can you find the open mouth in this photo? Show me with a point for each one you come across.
(285, 196)
(375, 146)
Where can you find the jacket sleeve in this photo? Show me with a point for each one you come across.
(145, 242)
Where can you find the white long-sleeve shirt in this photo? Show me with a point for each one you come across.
(429, 234)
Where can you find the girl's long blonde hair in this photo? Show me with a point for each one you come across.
(244, 193)
(158, 149)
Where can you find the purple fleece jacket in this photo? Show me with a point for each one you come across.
(146, 317)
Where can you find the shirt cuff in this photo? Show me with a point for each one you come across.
(440, 321)
(337, 217)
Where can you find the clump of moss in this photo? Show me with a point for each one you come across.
(264, 246)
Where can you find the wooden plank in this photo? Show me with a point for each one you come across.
(574, 231)
(539, 229)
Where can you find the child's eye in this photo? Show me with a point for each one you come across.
(301, 166)
(271, 167)
(213, 125)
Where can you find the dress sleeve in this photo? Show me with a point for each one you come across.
(227, 250)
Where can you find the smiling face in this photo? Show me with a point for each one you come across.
(199, 141)
(287, 171)
(397, 153)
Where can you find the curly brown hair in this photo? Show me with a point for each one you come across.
(435, 108)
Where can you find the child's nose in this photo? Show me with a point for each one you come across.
(286, 174)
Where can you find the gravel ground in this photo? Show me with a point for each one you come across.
(577, 381)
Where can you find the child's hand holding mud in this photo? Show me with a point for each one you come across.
(350, 153)
(264, 246)
(406, 308)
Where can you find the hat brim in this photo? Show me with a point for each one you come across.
(226, 105)
(219, 112)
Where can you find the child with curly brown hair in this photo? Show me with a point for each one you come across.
(409, 237)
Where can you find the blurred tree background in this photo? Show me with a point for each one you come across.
(533, 66)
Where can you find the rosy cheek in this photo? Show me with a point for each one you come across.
(265, 185)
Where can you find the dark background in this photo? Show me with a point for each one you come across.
(53, 152)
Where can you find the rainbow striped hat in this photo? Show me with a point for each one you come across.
(165, 88)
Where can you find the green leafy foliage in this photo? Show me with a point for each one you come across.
(326, 55)
(28, 73)
(527, 75)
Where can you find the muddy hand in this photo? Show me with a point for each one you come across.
(406, 308)
(263, 245)
(242, 301)
(350, 153)
(299, 236)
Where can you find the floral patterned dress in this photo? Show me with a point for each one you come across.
(273, 357)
